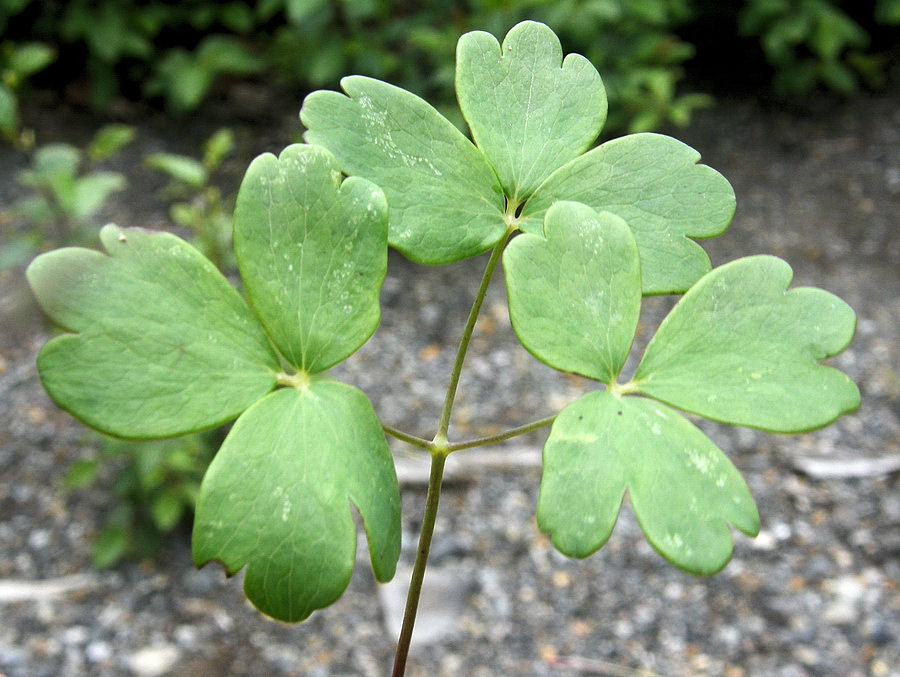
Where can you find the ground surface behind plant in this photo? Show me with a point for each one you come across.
(814, 594)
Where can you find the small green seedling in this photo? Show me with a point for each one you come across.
(160, 344)
(18, 62)
(67, 192)
(156, 484)
(199, 204)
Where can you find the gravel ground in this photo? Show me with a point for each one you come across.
(814, 594)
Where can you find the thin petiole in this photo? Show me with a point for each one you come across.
(447, 409)
(406, 437)
(500, 437)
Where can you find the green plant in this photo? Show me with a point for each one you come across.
(178, 52)
(583, 236)
(123, 35)
(67, 192)
(200, 206)
(634, 43)
(185, 77)
(156, 484)
(810, 42)
(157, 481)
(18, 62)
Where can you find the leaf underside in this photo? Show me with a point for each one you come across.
(683, 489)
(312, 251)
(655, 184)
(529, 110)
(277, 498)
(162, 345)
(445, 201)
(740, 349)
(575, 294)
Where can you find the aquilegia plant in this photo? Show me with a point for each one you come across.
(160, 344)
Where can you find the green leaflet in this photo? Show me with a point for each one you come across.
(655, 184)
(313, 254)
(739, 348)
(532, 115)
(277, 498)
(529, 110)
(162, 344)
(683, 489)
(444, 199)
(575, 294)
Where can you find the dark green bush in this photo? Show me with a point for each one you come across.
(178, 51)
(815, 42)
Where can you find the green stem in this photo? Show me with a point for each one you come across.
(447, 409)
(406, 437)
(500, 437)
(439, 450)
(418, 575)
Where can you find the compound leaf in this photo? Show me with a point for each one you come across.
(277, 498)
(312, 251)
(655, 184)
(741, 349)
(529, 110)
(446, 204)
(684, 491)
(162, 344)
(575, 294)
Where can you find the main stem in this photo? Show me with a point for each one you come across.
(418, 575)
(439, 449)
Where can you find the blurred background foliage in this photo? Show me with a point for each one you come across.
(154, 484)
(178, 52)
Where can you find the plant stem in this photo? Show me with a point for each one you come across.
(499, 437)
(439, 450)
(444, 424)
(406, 437)
(418, 575)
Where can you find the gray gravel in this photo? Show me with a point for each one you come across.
(815, 594)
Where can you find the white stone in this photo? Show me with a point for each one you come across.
(153, 661)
